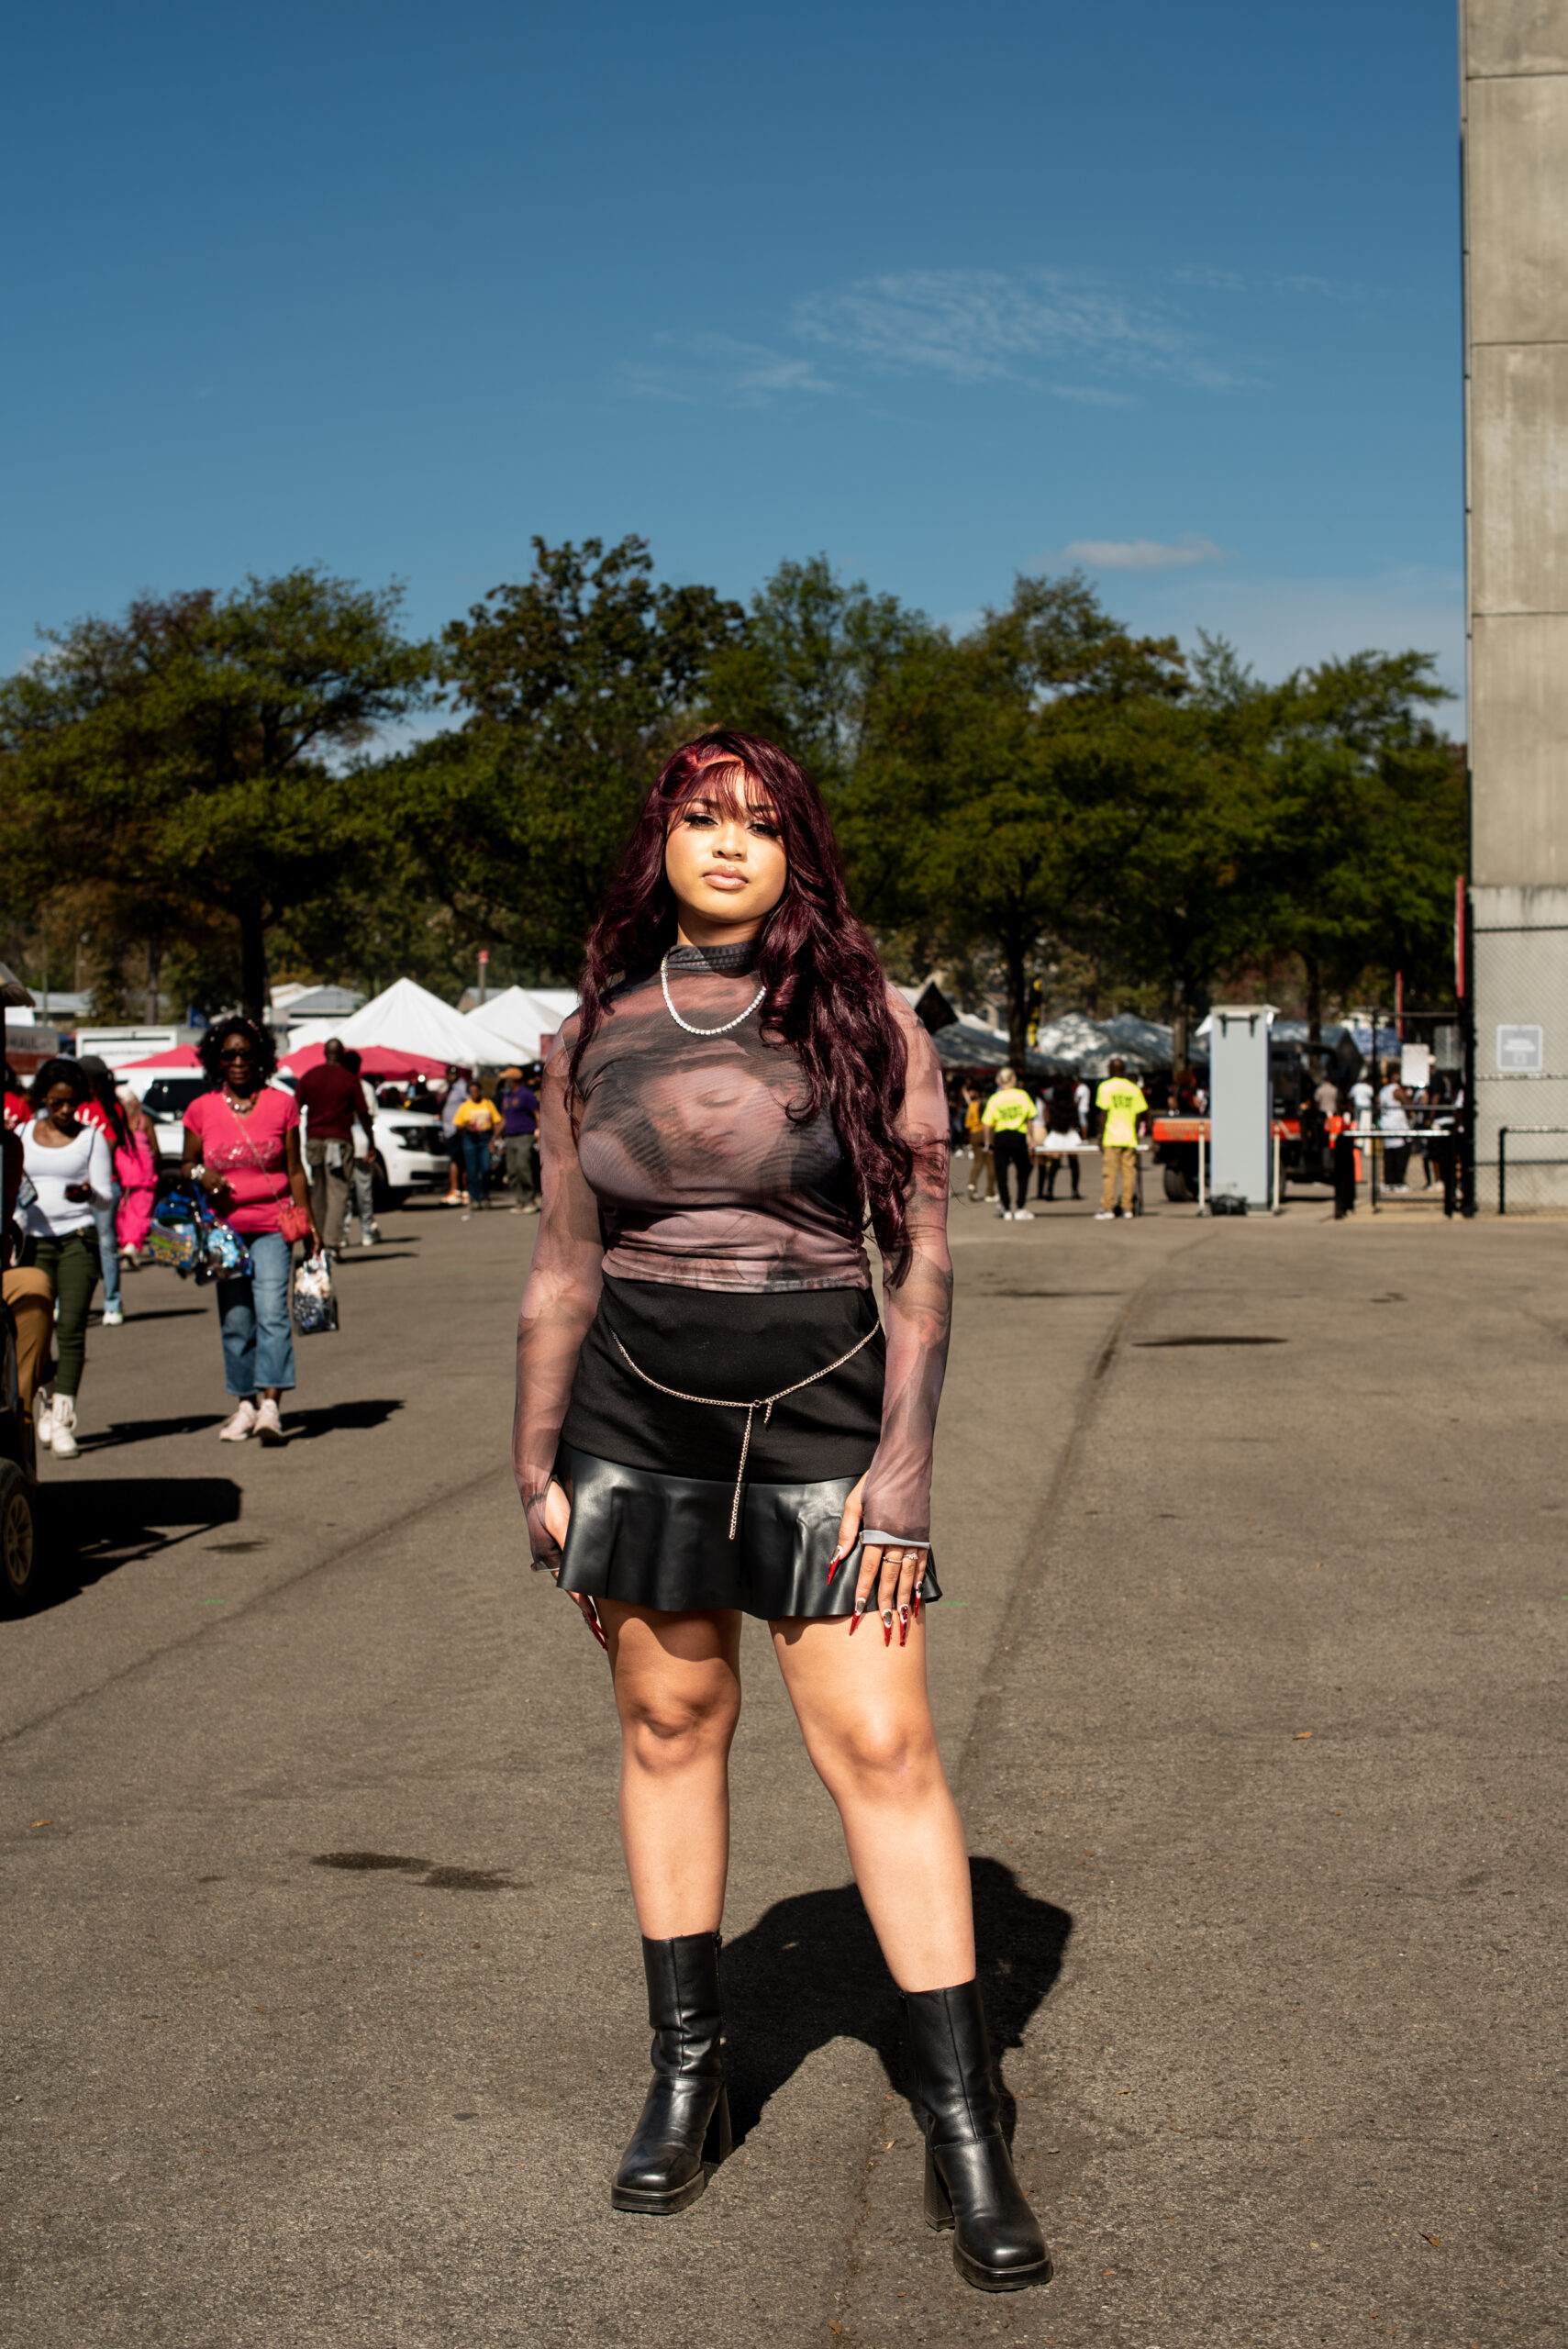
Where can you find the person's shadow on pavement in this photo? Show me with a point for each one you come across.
(809, 1971)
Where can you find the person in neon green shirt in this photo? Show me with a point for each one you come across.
(1120, 1104)
(1008, 1116)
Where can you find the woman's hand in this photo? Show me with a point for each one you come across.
(557, 1520)
(891, 1574)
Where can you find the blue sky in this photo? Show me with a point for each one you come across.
(946, 292)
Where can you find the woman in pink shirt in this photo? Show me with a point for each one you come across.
(242, 1146)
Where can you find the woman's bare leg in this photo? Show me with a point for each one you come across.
(866, 1718)
(677, 1683)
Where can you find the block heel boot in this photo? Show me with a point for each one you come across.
(969, 2186)
(684, 2129)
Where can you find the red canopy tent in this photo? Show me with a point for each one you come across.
(177, 1056)
(376, 1059)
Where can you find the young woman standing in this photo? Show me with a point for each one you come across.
(712, 1423)
(242, 1145)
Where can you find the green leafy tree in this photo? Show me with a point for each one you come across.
(808, 669)
(1364, 828)
(1007, 776)
(572, 688)
(202, 754)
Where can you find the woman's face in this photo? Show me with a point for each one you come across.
(60, 1107)
(721, 1114)
(725, 865)
(237, 1062)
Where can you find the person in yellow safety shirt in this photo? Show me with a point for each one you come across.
(1007, 1117)
(1120, 1104)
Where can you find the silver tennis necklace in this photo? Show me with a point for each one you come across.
(665, 983)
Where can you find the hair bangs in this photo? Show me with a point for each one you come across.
(728, 786)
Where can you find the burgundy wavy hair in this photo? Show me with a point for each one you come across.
(825, 996)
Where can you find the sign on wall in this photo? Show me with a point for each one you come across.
(1519, 1052)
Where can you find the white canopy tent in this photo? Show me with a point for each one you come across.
(404, 1018)
(512, 1025)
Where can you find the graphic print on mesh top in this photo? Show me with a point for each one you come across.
(686, 1168)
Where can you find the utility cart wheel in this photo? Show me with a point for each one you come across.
(19, 1562)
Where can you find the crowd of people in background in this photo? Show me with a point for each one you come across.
(82, 1180)
(1006, 1131)
(1000, 1130)
(87, 1174)
(489, 1138)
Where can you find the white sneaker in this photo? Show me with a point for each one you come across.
(1023, 1215)
(114, 1316)
(1105, 1215)
(64, 1444)
(242, 1424)
(369, 1239)
(44, 1418)
(1004, 1215)
(269, 1427)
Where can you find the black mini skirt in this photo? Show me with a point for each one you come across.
(652, 1479)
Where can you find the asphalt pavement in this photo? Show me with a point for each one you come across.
(323, 1993)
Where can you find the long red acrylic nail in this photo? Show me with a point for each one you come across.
(903, 1626)
(887, 1630)
(855, 1617)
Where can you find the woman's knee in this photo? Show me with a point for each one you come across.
(669, 1729)
(882, 1758)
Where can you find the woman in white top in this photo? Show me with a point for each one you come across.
(1393, 1113)
(68, 1166)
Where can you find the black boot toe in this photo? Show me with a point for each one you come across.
(997, 2244)
(683, 2133)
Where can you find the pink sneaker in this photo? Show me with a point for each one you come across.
(269, 1427)
(242, 1424)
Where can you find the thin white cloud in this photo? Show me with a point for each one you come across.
(1144, 554)
(1091, 394)
(987, 325)
(707, 367)
(1205, 278)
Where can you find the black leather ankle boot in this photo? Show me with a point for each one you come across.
(685, 2122)
(970, 2184)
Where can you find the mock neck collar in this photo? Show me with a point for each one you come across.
(728, 960)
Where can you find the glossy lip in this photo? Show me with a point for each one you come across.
(723, 878)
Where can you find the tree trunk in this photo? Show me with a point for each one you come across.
(154, 970)
(253, 963)
(1018, 1004)
(1180, 1024)
(1314, 1016)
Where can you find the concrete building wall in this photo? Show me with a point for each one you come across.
(1514, 64)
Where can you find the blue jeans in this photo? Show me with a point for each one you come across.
(476, 1164)
(257, 1335)
(109, 1246)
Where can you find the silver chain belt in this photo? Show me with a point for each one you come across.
(764, 1403)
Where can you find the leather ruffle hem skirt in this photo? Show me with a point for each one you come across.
(659, 1540)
